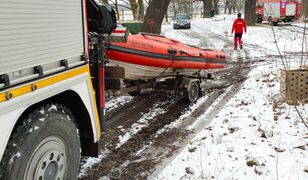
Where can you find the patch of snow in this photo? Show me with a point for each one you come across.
(42, 111)
(178, 121)
(144, 147)
(17, 155)
(90, 161)
(53, 107)
(104, 178)
(114, 103)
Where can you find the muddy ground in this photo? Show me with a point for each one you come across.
(148, 151)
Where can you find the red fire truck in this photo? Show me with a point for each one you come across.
(276, 11)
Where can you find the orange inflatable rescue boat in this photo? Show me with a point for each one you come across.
(153, 54)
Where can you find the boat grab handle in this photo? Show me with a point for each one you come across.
(172, 51)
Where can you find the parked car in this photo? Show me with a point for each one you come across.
(181, 21)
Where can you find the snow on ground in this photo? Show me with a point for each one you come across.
(121, 100)
(188, 112)
(259, 40)
(256, 135)
(90, 161)
(254, 128)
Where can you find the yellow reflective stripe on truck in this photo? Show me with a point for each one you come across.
(18, 91)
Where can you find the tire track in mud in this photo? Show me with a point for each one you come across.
(128, 114)
(113, 166)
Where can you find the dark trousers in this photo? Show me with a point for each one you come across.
(237, 39)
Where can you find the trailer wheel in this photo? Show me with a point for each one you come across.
(193, 92)
(45, 146)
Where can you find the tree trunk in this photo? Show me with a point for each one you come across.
(141, 10)
(174, 8)
(229, 6)
(216, 7)
(134, 6)
(229, 10)
(155, 16)
(238, 7)
(249, 14)
(305, 9)
(234, 9)
(207, 7)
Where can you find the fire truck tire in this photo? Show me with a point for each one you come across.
(45, 145)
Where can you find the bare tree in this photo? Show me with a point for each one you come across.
(116, 7)
(141, 10)
(134, 8)
(127, 4)
(207, 7)
(215, 2)
(231, 5)
(250, 6)
(154, 16)
(174, 7)
(234, 6)
(240, 5)
(226, 5)
(183, 6)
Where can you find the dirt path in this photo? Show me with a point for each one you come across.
(156, 144)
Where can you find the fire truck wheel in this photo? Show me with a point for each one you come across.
(45, 145)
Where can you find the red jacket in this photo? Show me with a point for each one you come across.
(238, 25)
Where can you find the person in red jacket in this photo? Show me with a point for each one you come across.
(239, 26)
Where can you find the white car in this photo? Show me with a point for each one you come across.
(181, 21)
